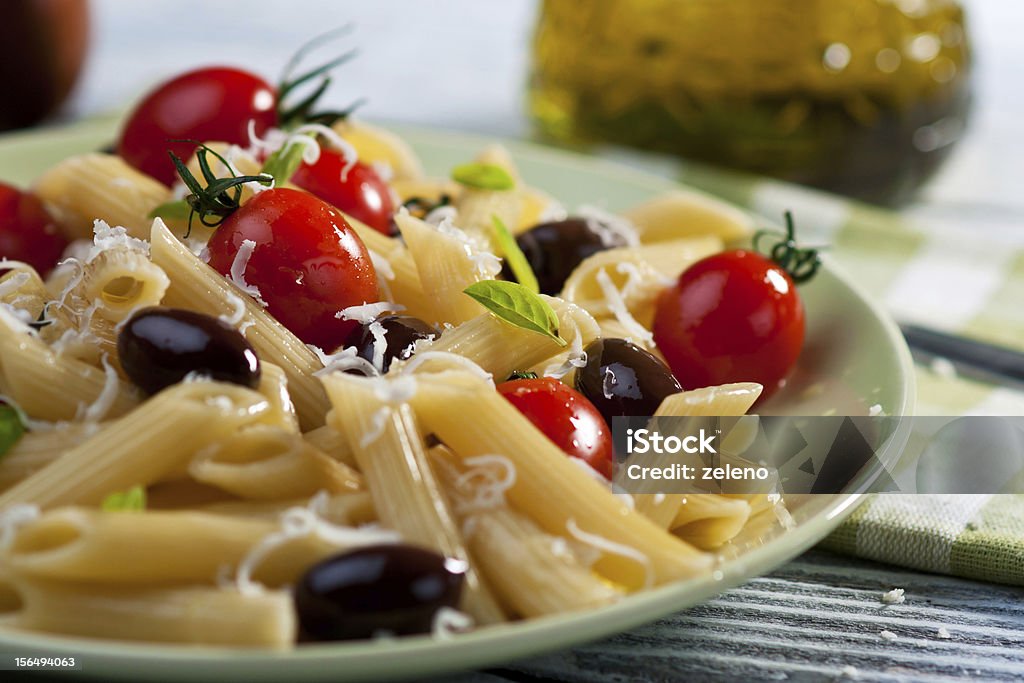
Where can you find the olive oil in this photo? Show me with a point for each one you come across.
(863, 97)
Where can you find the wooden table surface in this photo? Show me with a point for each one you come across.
(809, 621)
(462, 64)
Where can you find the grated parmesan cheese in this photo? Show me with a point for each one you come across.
(849, 672)
(487, 264)
(889, 636)
(575, 358)
(617, 305)
(276, 139)
(237, 314)
(367, 313)
(380, 345)
(894, 597)
(441, 213)
(346, 359)
(875, 410)
(238, 266)
(613, 548)
(489, 477)
(448, 622)
(609, 226)
(105, 237)
(944, 633)
(105, 401)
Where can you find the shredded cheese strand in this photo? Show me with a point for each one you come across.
(613, 548)
(621, 312)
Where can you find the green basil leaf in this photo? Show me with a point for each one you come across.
(11, 428)
(177, 209)
(483, 177)
(514, 256)
(517, 305)
(283, 163)
(132, 500)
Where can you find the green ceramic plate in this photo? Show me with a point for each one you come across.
(854, 358)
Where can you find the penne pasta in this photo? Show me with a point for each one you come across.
(708, 520)
(179, 614)
(472, 420)
(268, 463)
(532, 572)
(405, 491)
(686, 213)
(92, 187)
(145, 446)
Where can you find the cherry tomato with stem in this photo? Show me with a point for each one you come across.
(737, 316)
(359, 192)
(566, 417)
(212, 103)
(27, 231)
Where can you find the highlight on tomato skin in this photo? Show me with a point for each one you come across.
(307, 262)
(359, 192)
(731, 317)
(566, 417)
(27, 231)
(208, 104)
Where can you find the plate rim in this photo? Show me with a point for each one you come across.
(423, 655)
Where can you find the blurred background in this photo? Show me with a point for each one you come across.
(830, 93)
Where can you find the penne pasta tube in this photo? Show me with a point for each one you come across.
(144, 446)
(196, 286)
(346, 509)
(450, 261)
(500, 348)
(708, 520)
(722, 400)
(22, 288)
(49, 386)
(196, 615)
(473, 419)
(274, 386)
(269, 463)
(396, 270)
(88, 187)
(36, 450)
(685, 213)
(532, 572)
(328, 440)
(118, 281)
(406, 493)
(150, 548)
(639, 274)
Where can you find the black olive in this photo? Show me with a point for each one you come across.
(394, 589)
(159, 346)
(555, 249)
(401, 332)
(622, 379)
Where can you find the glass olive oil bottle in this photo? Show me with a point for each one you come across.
(862, 97)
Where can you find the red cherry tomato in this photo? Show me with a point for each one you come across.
(214, 103)
(566, 417)
(308, 263)
(27, 232)
(362, 194)
(731, 317)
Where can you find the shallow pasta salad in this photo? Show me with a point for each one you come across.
(266, 382)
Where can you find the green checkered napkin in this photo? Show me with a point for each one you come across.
(947, 273)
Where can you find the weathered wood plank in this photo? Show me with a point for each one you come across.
(806, 622)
